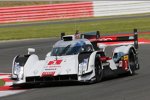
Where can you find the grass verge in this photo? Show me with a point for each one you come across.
(54, 30)
(28, 3)
(2, 82)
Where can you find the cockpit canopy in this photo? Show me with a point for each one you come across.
(62, 48)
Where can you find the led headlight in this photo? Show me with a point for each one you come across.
(18, 71)
(83, 67)
(16, 68)
(80, 69)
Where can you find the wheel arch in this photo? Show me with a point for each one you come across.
(20, 59)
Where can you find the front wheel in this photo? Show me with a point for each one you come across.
(98, 71)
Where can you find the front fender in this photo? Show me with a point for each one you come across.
(18, 65)
(33, 66)
(92, 61)
(89, 72)
(122, 51)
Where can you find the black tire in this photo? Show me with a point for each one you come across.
(25, 86)
(98, 70)
(132, 62)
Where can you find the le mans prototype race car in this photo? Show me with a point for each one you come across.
(81, 60)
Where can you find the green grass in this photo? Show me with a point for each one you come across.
(21, 3)
(2, 82)
(28, 3)
(54, 30)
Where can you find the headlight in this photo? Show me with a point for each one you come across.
(16, 68)
(83, 67)
(18, 71)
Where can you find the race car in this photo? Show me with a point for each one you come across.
(77, 59)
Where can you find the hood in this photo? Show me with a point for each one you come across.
(60, 65)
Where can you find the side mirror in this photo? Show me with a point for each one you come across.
(31, 50)
(62, 34)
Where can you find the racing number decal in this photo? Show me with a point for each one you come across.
(55, 62)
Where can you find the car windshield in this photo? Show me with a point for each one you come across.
(68, 50)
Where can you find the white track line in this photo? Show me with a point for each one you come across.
(10, 92)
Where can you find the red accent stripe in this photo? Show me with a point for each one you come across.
(125, 65)
(144, 40)
(140, 40)
(104, 58)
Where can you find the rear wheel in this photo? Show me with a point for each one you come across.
(132, 62)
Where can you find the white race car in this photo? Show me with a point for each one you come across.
(81, 60)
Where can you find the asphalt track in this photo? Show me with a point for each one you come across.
(135, 87)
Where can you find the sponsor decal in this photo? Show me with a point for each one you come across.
(106, 39)
(125, 65)
(48, 73)
(124, 62)
(125, 57)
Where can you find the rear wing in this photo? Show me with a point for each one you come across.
(95, 38)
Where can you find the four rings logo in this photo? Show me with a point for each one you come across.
(55, 62)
